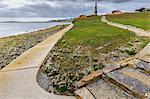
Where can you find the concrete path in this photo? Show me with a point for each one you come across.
(18, 79)
(138, 31)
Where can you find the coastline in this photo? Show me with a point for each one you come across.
(13, 32)
(13, 46)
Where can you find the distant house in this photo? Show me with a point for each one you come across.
(116, 12)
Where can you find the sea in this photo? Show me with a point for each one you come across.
(14, 27)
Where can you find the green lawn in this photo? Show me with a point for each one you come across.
(140, 19)
(88, 46)
(92, 32)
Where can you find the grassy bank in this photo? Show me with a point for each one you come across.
(13, 46)
(141, 19)
(89, 46)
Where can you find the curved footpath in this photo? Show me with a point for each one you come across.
(138, 31)
(18, 79)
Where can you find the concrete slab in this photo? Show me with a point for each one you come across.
(21, 84)
(18, 79)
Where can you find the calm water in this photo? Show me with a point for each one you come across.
(7, 29)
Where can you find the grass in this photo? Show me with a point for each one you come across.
(92, 32)
(87, 47)
(140, 19)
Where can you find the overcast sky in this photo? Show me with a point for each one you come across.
(65, 8)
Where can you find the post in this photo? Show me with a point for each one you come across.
(95, 12)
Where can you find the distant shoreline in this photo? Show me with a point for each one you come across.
(61, 20)
(24, 22)
(21, 30)
(33, 21)
(13, 46)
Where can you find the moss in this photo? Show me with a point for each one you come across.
(131, 51)
(144, 43)
(62, 88)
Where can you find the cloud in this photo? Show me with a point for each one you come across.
(14, 3)
(64, 8)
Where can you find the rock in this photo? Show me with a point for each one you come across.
(42, 80)
(84, 93)
(143, 65)
(87, 79)
(55, 54)
(99, 48)
(60, 50)
(148, 95)
(110, 67)
(135, 81)
(95, 59)
(125, 62)
(63, 41)
(107, 44)
(61, 83)
(102, 89)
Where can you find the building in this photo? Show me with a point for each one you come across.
(116, 12)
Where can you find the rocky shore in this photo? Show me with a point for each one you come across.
(13, 46)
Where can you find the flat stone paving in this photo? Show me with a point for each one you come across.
(116, 82)
(144, 54)
(106, 90)
(84, 93)
(134, 80)
(18, 79)
(143, 65)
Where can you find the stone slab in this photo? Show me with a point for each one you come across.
(144, 54)
(143, 65)
(84, 93)
(135, 81)
(111, 67)
(87, 79)
(105, 90)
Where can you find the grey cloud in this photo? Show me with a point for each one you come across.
(70, 8)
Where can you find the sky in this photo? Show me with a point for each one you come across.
(65, 8)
